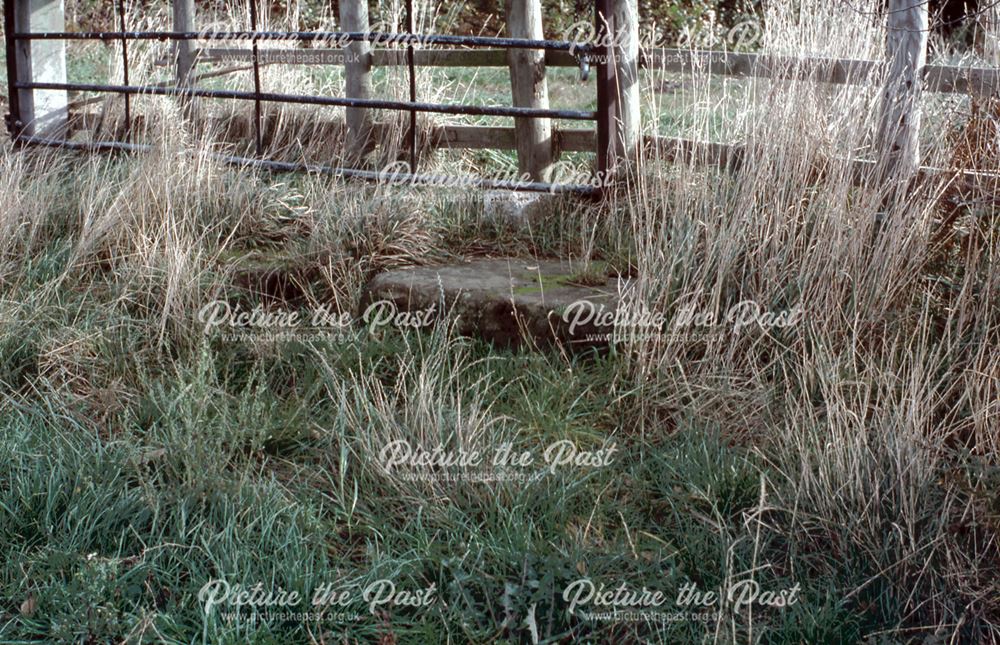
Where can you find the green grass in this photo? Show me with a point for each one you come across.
(112, 538)
(200, 479)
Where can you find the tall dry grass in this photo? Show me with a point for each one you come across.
(888, 388)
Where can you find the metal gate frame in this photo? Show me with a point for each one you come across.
(602, 53)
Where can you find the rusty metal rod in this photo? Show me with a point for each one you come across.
(377, 38)
(413, 87)
(349, 173)
(14, 122)
(439, 108)
(607, 89)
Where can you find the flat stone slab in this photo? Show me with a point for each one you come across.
(504, 301)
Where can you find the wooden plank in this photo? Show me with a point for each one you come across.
(466, 58)
(479, 137)
(576, 140)
(184, 20)
(185, 52)
(529, 89)
(729, 157)
(698, 153)
(827, 70)
(981, 81)
(474, 137)
(457, 137)
(443, 58)
(840, 71)
(863, 172)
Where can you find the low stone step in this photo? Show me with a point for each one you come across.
(504, 301)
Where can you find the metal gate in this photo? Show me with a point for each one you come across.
(599, 53)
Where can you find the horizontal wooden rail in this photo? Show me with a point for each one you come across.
(728, 157)
(938, 78)
(475, 137)
(826, 70)
(699, 153)
(731, 157)
(457, 137)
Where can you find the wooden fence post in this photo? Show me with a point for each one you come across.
(42, 113)
(357, 79)
(184, 20)
(626, 25)
(529, 89)
(899, 124)
(618, 126)
(184, 50)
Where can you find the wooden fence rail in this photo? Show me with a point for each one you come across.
(936, 78)
(980, 81)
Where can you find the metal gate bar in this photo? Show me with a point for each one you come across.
(369, 175)
(376, 38)
(304, 99)
(604, 115)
